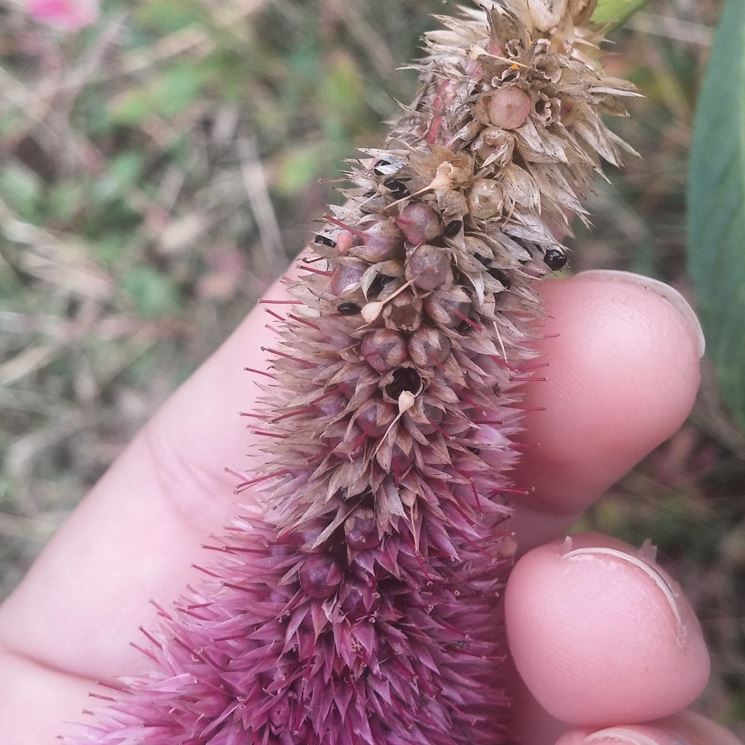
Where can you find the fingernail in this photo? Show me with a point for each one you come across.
(663, 290)
(613, 554)
(618, 736)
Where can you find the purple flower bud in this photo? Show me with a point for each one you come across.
(320, 576)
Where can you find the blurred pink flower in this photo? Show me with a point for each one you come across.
(65, 15)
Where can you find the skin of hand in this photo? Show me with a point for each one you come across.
(606, 648)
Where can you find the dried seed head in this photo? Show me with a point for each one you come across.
(419, 223)
(429, 347)
(428, 267)
(453, 228)
(509, 107)
(384, 349)
(395, 426)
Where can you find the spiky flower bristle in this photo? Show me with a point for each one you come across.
(360, 604)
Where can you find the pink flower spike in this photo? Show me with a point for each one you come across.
(64, 15)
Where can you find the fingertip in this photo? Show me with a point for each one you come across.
(623, 376)
(684, 728)
(600, 634)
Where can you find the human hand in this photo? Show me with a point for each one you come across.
(599, 637)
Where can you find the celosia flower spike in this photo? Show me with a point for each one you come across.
(360, 604)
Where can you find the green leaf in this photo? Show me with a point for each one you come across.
(167, 95)
(616, 12)
(716, 206)
(21, 188)
(154, 294)
(298, 168)
(123, 174)
(168, 16)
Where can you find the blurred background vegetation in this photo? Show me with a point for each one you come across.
(160, 168)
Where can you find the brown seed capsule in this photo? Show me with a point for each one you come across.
(448, 307)
(509, 107)
(429, 347)
(361, 530)
(485, 199)
(381, 240)
(384, 349)
(345, 276)
(419, 223)
(428, 267)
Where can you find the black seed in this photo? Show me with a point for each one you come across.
(404, 379)
(464, 328)
(453, 228)
(500, 276)
(554, 258)
(397, 187)
(325, 240)
(348, 309)
(376, 169)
